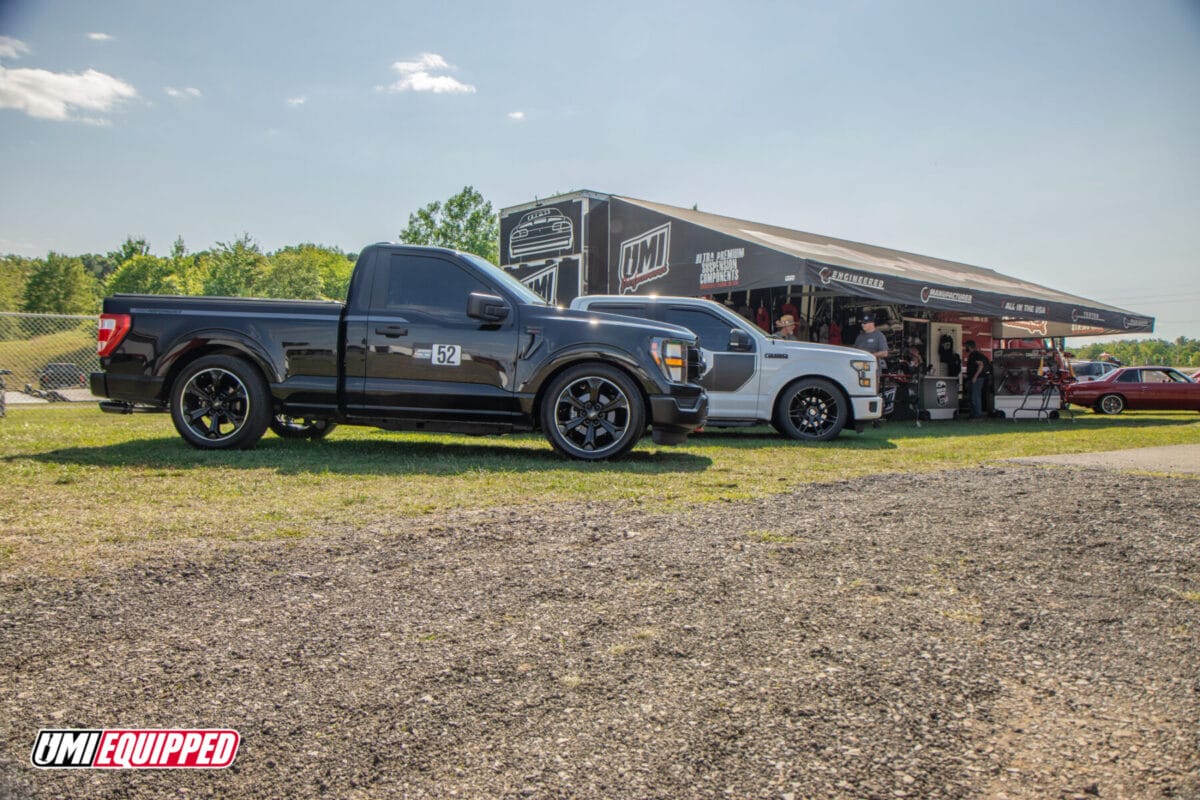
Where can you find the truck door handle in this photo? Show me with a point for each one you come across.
(392, 331)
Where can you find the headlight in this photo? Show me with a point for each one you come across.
(669, 354)
(866, 372)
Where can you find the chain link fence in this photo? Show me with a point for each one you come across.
(47, 356)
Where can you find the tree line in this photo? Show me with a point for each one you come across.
(1183, 352)
(66, 284)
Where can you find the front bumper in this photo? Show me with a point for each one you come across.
(868, 408)
(673, 416)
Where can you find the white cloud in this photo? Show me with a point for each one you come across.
(56, 95)
(12, 48)
(297, 101)
(96, 36)
(415, 76)
(517, 115)
(190, 91)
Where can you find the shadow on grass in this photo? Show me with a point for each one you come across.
(363, 457)
(881, 437)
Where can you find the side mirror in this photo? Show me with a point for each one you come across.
(486, 307)
(740, 341)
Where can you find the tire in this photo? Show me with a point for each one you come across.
(592, 412)
(288, 427)
(220, 402)
(811, 410)
(1110, 404)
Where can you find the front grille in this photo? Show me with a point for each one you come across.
(695, 365)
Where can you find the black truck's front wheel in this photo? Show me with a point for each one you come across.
(592, 412)
(220, 402)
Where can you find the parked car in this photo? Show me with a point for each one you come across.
(428, 339)
(807, 391)
(62, 375)
(1086, 371)
(1137, 388)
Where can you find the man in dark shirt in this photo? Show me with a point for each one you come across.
(977, 370)
(871, 340)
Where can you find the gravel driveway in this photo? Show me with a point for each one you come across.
(1000, 632)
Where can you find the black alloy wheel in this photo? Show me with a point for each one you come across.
(220, 402)
(811, 410)
(592, 412)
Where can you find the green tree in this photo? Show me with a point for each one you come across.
(309, 271)
(129, 248)
(189, 269)
(14, 273)
(98, 266)
(235, 269)
(145, 274)
(60, 285)
(464, 222)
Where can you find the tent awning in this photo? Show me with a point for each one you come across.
(769, 256)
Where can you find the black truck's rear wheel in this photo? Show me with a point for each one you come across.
(220, 402)
(289, 427)
(592, 412)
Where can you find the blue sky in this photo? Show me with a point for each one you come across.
(1057, 142)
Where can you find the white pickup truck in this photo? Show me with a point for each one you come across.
(807, 391)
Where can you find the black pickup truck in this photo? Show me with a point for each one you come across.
(428, 339)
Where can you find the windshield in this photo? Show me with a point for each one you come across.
(523, 292)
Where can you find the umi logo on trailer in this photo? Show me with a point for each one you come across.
(645, 258)
(545, 283)
(137, 748)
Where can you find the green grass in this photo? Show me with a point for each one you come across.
(76, 484)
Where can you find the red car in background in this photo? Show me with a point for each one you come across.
(1137, 388)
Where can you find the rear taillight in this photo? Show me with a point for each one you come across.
(112, 330)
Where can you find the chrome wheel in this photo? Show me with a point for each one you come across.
(1112, 404)
(214, 404)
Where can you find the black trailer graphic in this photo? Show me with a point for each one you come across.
(549, 231)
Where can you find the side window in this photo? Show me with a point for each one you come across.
(426, 287)
(1130, 376)
(1086, 370)
(711, 329)
(632, 310)
(1155, 376)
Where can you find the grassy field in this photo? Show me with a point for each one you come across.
(80, 485)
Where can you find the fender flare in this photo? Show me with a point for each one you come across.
(199, 343)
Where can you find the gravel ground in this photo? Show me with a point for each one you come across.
(998, 632)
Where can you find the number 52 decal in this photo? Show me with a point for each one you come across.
(447, 355)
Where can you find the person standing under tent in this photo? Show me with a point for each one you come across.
(785, 328)
(871, 340)
(977, 375)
